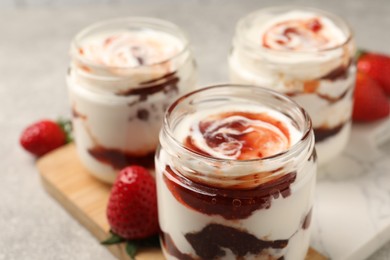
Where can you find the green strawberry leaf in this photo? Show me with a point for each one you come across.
(114, 239)
(131, 249)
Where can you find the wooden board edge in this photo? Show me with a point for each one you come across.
(313, 254)
(119, 250)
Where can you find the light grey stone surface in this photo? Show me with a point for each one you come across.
(34, 40)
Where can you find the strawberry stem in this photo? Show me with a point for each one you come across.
(114, 239)
(66, 126)
(359, 53)
(132, 245)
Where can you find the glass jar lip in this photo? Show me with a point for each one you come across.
(257, 46)
(140, 21)
(299, 145)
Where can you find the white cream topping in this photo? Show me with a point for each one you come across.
(269, 138)
(301, 60)
(232, 147)
(299, 31)
(129, 49)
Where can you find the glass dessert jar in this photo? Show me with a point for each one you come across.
(235, 174)
(306, 54)
(123, 75)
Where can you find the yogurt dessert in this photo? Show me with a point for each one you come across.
(123, 75)
(308, 55)
(235, 176)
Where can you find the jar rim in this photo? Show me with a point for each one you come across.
(307, 132)
(136, 21)
(285, 8)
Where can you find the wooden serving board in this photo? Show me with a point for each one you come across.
(85, 198)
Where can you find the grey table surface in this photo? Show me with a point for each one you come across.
(34, 41)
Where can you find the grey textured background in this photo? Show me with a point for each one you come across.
(34, 40)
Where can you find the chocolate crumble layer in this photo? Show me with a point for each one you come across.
(323, 133)
(167, 83)
(171, 248)
(210, 241)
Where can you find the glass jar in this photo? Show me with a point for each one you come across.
(213, 208)
(320, 79)
(123, 75)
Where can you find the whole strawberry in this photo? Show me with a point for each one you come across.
(370, 101)
(377, 67)
(42, 137)
(132, 206)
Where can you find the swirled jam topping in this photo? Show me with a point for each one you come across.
(239, 135)
(301, 31)
(127, 49)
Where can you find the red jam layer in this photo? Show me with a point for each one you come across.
(229, 203)
(241, 135)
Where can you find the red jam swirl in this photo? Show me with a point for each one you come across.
(296, 35)
(239, 136)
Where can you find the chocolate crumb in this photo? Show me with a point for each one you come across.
(143, 114)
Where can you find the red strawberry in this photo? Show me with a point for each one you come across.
(377, 66)
(132, 206)
(42, 137)
(371, 102)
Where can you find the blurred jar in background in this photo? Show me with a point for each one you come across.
(123, 75)
(306, 54)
